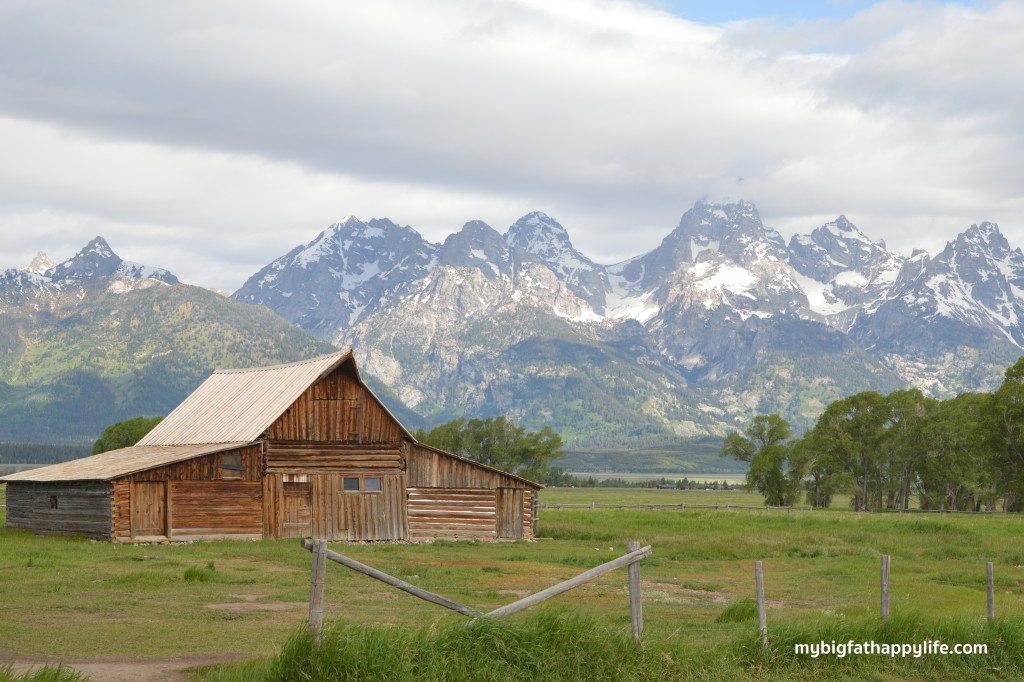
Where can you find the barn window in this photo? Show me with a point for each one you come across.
(231, 467)
(365, 485)
(53, 502)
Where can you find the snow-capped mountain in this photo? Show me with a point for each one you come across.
(95, 268)
(720, 321)
(348, 271)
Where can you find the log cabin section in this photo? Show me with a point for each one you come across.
(298, 450)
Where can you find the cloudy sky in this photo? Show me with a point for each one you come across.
(209, 137)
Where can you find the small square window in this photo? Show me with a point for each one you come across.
(371, 485)
(352, 484)
(231, 466)
(53, 502)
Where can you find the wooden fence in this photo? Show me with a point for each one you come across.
(635, 554)
(318, 574)
(683, 506)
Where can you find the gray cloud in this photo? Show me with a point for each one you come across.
(235, 130)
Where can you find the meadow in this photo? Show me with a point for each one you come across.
(73, 598)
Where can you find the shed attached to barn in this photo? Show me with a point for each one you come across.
(297, 450)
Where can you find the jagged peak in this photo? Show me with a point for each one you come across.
(538, 230)
(99, 246)
(985, 237)
(985, 231)
(39, 264)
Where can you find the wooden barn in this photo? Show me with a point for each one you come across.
(297, 450)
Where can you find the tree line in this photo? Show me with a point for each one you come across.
(965, 453)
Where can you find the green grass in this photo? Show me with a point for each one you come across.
(71, 597)
(567, 646)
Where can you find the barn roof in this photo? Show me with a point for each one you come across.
(114, 463)
(235, 405)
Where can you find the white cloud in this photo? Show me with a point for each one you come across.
(237, 130)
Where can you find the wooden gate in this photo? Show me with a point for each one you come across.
(510, 513)
(296, 517)
(149, 509)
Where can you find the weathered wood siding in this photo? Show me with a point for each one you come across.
(67, 508)
(201, 499)
(452, 513)
(204, 508)
(366, 515)
(337, 408)
(300, 457)
(206, 467)
(430, 469)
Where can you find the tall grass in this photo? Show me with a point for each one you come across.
(543, 647)
(550, 646)
(1004, 637)
(49, 673)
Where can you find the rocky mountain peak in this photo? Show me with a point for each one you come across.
(543, 238)
(96, 259)
(478, 245)
(541, 235)
(39, 264)
(979, 239)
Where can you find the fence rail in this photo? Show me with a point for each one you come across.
(683, 506)
(771, 595)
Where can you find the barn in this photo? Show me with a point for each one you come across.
(298, 450)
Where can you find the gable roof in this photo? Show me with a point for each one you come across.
(235, 405)
(109, 465)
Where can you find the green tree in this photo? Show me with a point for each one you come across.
(772, 472)
(1003, 425)
(902, 447)
(957, 470)
(847, 437)
(498, 442)
(124, 434)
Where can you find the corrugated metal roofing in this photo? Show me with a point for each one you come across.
(240, 404)
(115, 463)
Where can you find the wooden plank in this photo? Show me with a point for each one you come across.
(395, 582)
(635, 600)
(586, 576)
(762, 614)
(885, 587)
(318, 574)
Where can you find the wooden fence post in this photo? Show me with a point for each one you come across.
(762, 615)
(885, 586)
(317, 575)
(991, 590)
(635, 599)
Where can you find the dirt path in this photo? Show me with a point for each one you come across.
(123, 669)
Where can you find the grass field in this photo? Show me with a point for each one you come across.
(69, 597)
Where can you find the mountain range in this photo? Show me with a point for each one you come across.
(723, 320)
(96, 339)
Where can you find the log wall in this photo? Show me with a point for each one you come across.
(452, 513)
(66, 508)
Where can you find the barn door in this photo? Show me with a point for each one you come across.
(296, 510)
(510, 513)
(149, 508)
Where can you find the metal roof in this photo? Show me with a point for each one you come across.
(240, 404)
(115, 463)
